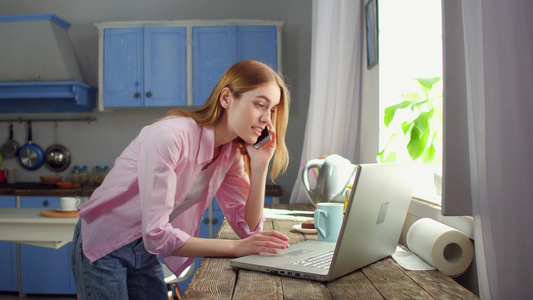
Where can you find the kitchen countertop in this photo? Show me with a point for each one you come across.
(270, 191)
(17, 190)
(26, 226)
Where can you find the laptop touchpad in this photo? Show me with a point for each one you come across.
(297, 252)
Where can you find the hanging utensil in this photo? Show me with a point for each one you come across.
(57, 156)
(31, 156)
(11, 147)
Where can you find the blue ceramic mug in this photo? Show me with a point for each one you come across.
(328, 220)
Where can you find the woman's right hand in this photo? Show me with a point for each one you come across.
(264, 241)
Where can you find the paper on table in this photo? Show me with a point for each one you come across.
(410, 261)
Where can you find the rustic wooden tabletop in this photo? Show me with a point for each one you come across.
(385, 279)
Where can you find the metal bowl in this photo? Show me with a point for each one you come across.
(57, 158)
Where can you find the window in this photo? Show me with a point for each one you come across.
(410, 46)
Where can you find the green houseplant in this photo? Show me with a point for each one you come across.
(418, 126)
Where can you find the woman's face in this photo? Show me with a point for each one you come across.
(249, 114)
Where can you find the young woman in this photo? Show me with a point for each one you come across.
(152, 201)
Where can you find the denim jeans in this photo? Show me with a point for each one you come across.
(126, 273)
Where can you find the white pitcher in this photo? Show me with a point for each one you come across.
(334, 175)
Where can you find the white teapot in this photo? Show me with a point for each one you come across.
(334, 175)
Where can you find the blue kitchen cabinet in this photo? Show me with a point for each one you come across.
(144, 66)
(216, 48)
(8, 255)
(45, 270)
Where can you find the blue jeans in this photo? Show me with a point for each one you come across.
(129, 272)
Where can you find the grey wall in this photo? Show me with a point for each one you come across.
(102, 141)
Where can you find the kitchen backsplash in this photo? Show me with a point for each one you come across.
(93, 143)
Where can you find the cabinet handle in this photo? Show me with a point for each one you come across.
(137, 95)
(46, 203)
(206, 221)
(148, 95)
(215, 221)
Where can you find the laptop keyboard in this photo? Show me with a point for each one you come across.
(319, 262)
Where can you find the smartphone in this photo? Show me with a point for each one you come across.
(263, 138)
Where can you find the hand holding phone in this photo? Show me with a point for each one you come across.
(263, 138)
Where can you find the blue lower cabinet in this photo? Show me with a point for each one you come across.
(8, 255)
(8, 271)
(44, 270)
(218, 217)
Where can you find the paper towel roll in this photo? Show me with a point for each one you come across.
(447, 249)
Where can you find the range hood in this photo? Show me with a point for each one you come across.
(39, 72)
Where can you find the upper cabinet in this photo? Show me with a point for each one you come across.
(144, 67)
(177, 63)
(216, 48)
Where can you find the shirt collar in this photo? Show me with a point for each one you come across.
(207, 145)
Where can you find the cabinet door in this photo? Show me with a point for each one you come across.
(45, 270)
(123, 67)
(258, 43)
(209, 226)
(216, 48)
(8, 255)
(213, 52)
(165, 82)
(218, 217)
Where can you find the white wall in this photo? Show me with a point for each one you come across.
(102, 141)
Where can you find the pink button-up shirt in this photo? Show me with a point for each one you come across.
(151, 179)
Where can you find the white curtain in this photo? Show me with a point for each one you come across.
(336, 64)
(498, 69)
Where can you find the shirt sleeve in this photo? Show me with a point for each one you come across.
(232, 196)
(159, 157)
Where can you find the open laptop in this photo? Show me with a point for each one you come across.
(370, 230)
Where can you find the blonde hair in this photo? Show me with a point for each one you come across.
(242, 77)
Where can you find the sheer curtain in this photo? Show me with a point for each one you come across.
(498, 70)
(336, 64)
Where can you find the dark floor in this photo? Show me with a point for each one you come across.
(15, 295)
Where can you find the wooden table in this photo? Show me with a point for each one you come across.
(385, 279)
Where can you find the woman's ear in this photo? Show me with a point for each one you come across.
(225, 97)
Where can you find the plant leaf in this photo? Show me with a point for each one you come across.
(411, 96)
(390, 158)
(381, 156)
(406, 126)
(429, 154)
(422, 121)
(418, 104)
(391, 111)
(427, 83)
(417, 142)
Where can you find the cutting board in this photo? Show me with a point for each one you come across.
(58, 213)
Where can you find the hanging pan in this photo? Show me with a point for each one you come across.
(31, 156)
(57, 157)
(10, 148)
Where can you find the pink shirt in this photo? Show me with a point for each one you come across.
(151, 179)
